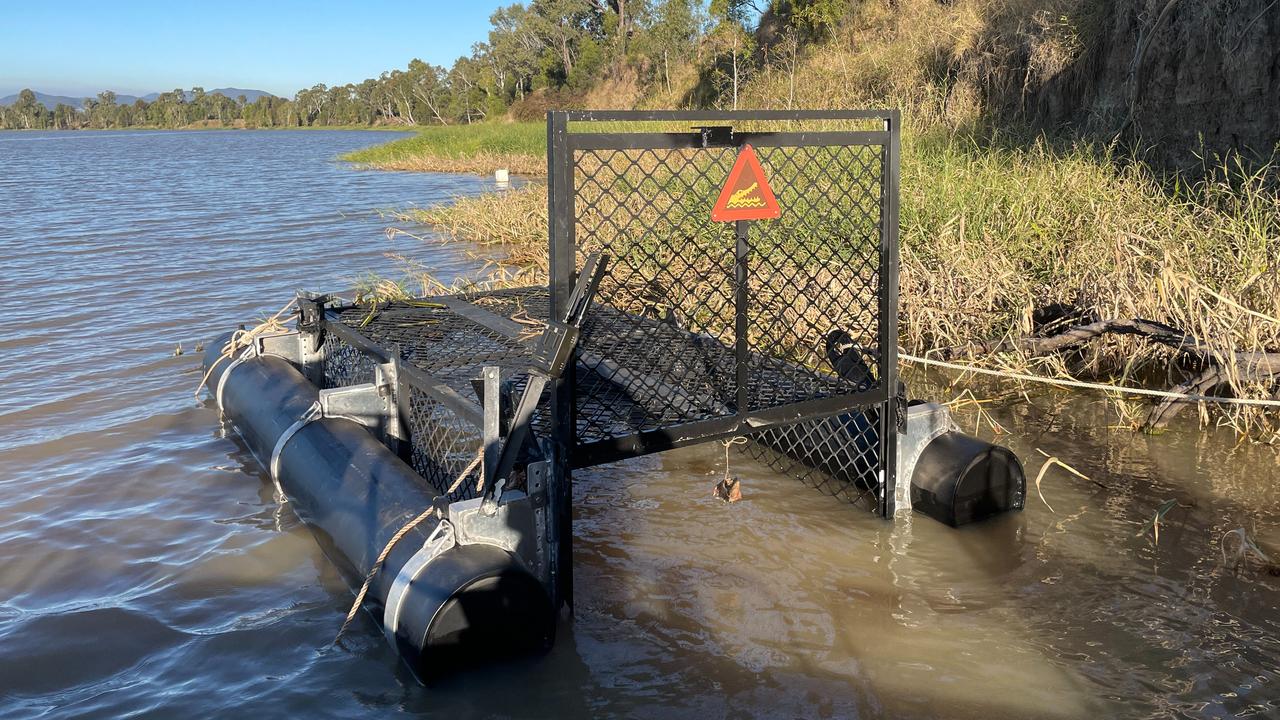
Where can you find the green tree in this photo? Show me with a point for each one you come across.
(811, 19)
(563, 24)
(468, 94)
(64, 117)
(673, 36)
(732, 48)
(104, 114)
(27, 113)
(591, 60)
(428, 84)
(514, 48)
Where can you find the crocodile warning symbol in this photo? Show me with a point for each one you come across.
(746, 194)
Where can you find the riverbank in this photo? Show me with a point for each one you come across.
(1003, 244)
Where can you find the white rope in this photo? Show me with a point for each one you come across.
(1090, 385)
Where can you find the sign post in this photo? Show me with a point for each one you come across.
(745, 197)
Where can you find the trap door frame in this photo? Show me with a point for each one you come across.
(564, 146)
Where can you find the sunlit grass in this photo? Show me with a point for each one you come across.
(991, 233)
(478, 148)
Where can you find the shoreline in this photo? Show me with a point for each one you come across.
(221, 128)
(994, 240)
(478, 149)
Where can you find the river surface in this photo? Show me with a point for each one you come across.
(146, 571)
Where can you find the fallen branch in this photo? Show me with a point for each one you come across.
(1079, 335)
(1254, 366)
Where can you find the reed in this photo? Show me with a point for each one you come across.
(991, 235)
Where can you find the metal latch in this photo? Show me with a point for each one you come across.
(715, 135)
(556, 347)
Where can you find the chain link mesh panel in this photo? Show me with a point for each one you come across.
(345, 365)
(698, 322)
(442, 444)
(839, 456)
(815, 270)
(668, 333)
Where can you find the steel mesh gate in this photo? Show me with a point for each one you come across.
(781, 330)
(784, 330)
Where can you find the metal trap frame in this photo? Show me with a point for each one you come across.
(659, 328)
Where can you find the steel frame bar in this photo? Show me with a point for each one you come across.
(570, 133)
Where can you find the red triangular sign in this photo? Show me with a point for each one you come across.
(746, 194)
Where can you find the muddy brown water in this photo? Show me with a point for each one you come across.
(145, 570)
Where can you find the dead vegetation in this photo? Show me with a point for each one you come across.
(1018, 253)
(478, 164)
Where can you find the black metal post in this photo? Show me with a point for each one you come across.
(741, 322)
(560, 214)
(889, 312)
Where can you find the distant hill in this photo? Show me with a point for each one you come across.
(233, 93)
(49, 101)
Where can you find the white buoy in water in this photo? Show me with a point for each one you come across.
(502, 176)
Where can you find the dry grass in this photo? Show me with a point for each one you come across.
(990, 235)
(943, 64)
(994, 227)
(508, 227)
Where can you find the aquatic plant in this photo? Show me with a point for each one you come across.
(1245, 547)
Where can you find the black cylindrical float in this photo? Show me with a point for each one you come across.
(467, 603)
(960, 479)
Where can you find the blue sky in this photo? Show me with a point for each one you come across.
(73, 47)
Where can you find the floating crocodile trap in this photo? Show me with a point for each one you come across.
(662, 326)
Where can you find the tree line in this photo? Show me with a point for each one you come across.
(538, 54)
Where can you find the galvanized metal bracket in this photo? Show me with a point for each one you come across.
(441, 539)
(370, 404)
(512, 525)
(924, 422)
(311, 323)
(555, 348)
(286, 345)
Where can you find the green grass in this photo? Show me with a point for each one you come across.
(993, 231)
(460, 142)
